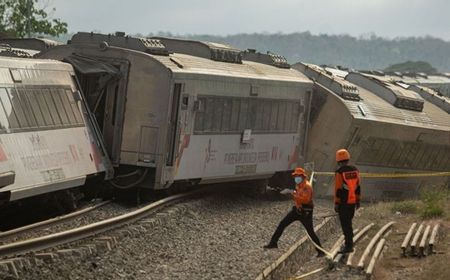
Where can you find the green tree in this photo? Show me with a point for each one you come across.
(19, 18)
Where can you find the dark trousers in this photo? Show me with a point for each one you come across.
(346, 213)
(305, 217)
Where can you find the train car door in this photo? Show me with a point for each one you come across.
(173, 126)
(104, 82)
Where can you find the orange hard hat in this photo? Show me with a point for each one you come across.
(342, 154)
(299, 172)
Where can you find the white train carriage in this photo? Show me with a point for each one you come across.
(188, 111)
(46, 137)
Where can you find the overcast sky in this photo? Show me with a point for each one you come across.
(386, 18)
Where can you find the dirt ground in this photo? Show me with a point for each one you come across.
(392, 265)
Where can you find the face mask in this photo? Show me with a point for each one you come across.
(298, 180)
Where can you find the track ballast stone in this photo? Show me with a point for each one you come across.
(219, 236)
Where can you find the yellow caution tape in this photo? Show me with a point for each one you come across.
(391, 175)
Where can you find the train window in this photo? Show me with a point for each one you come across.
(32, 99)
(217, 115)
(184, 102)
(44, 107)
(18, 109)
(59, 106)
(67, 107)
(234, 122)
(232, 115)
(243, 114)
(252, 113)
(273, 116)
(281, 116)
(4, 113)
(209, 113)
(51, 106)
(441, 154)
(404, 160)
(8, 109)
(259, 115)
(295, 116)
(289, 117)
(74, 106)
(393, 146)
(200, 116)
(266, 115)
(226, 116)
(27, 108)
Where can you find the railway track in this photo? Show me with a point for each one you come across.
(63, 237)
(32, 228)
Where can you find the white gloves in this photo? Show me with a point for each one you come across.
(287, 191)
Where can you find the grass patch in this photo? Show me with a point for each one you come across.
(406, 207)
(434, 200)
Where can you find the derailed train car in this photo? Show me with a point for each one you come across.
(437, 82)
(24, 47)
(46, 137)
(189, 112)
(386, 127)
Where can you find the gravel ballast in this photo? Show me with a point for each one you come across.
(102, 213)
(218, 236)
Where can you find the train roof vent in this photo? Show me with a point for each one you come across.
(209, 50)
(393, 93)
(269, 58)
(326, 78)
(433, 97)
(152, 46)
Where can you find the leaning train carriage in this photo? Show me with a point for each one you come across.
(187, 111)
(387, 129)
(46, 138)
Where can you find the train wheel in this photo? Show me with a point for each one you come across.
(66, 201)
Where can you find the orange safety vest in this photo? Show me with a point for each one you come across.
(347, 190)
(303, 195)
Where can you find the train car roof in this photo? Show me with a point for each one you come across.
(375, 108)
(33, 71)
(37, 44)
(191, 57)
(183, 63)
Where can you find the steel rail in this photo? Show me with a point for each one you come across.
(55, 239)
(52, 221)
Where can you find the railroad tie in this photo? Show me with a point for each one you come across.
(372, 244)
(433, 239)
(375, 256)
(424, 241)
(407, 238)
(416, 239)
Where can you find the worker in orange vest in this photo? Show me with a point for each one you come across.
(302, 211)
(347, 194)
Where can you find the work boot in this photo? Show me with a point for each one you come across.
(271, 245)
(320, 254)
(346, 249)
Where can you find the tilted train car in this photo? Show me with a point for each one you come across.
(438, 82)
(387, 129)
(46, 137)
(190, 112)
